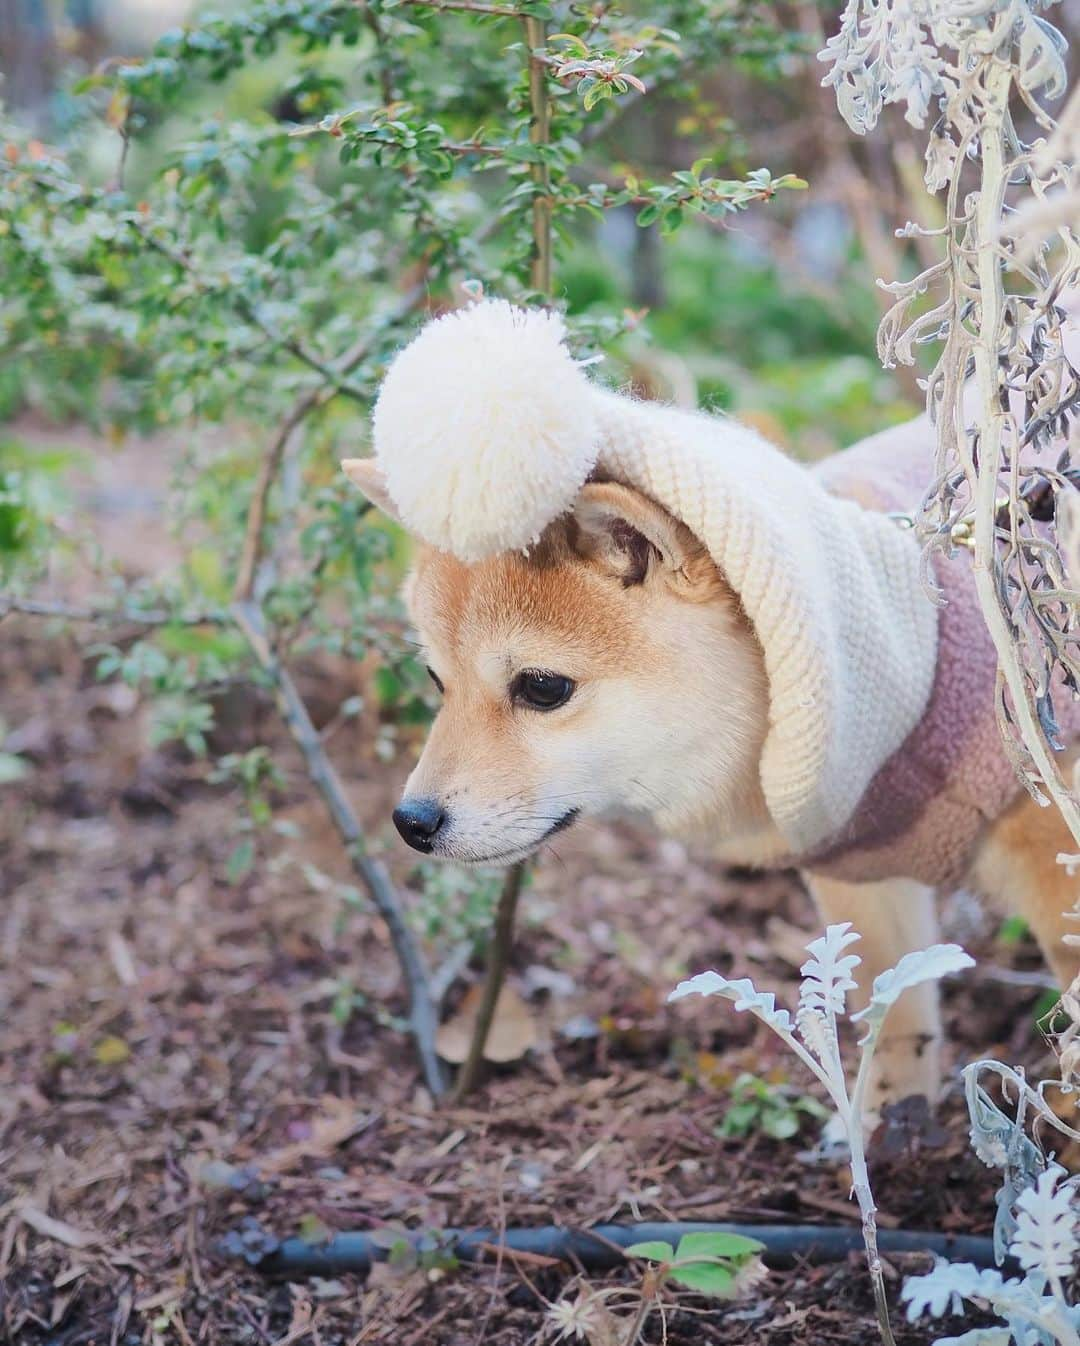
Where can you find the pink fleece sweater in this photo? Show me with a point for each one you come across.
(924, 812)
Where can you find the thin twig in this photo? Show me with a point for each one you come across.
(384, 60)
(311, 401)
(498, 956)
(448, 971)
(249, 618)
(251, 552)
(249, 312)
(109, 612)
(466, 7)
(540, 135)
(502, 938)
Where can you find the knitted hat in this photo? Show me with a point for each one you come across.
(485, 431)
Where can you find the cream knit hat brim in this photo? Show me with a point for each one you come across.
(486, 430)
(833, 592)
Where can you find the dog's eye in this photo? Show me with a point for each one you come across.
(436, 679)
(542, 691)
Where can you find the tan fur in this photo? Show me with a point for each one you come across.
(506, 773)
(1016, 868)
(668, 717)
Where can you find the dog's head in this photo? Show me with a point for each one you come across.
(611, 667)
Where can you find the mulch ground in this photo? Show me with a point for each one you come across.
(190, 1067)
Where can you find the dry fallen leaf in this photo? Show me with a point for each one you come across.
(57, 1229)
(111, 1051)
(340, 1121)
(513, 1028)
(120, 955)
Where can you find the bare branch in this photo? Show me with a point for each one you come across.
(249, 618)
(105, 612)
(502, 938)
(466, 7)
(539, 134)
(271, 464)
(250, 313)
(498, 957)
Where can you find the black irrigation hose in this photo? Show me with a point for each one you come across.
(593, 1248)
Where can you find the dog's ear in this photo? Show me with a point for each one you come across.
(631, 536)
(365, 475)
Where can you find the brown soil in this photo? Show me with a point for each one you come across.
(172, 1067)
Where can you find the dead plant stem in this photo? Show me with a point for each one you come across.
(990, 427)
(502, 936)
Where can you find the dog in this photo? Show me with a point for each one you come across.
(613, 666)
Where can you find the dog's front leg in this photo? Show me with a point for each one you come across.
(894, 917)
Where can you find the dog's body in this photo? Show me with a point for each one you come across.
(667, 717)
(772, 681)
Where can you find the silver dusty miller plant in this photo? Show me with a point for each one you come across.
(1033, 1307)
(1004, 388)
(814, 1037)
(1038, 1224)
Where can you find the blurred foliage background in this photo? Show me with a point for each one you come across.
(771, 315)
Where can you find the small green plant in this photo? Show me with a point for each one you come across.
(455, 905)
(426, 1250)
(12, 766)
(32, 494)
(813, 1035)
(257, 776)
(776, 1110)
(714, 1264)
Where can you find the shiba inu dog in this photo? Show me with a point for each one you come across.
(614, 665)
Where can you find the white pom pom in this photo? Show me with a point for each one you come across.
(485, 429)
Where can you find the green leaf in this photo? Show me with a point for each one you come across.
(388, 686)
(313, 1229)
(655, 1251)
(812, 1108)
(709, 1243)
(648, 215)
(673, 218)
(241, 862)
(12, 768)
(780, 1124)
(206, 569)
(739, 1119)
(706, 1278)
(260, 811)
(571, 40)
(1013, 930)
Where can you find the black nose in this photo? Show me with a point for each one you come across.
(418, 821)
